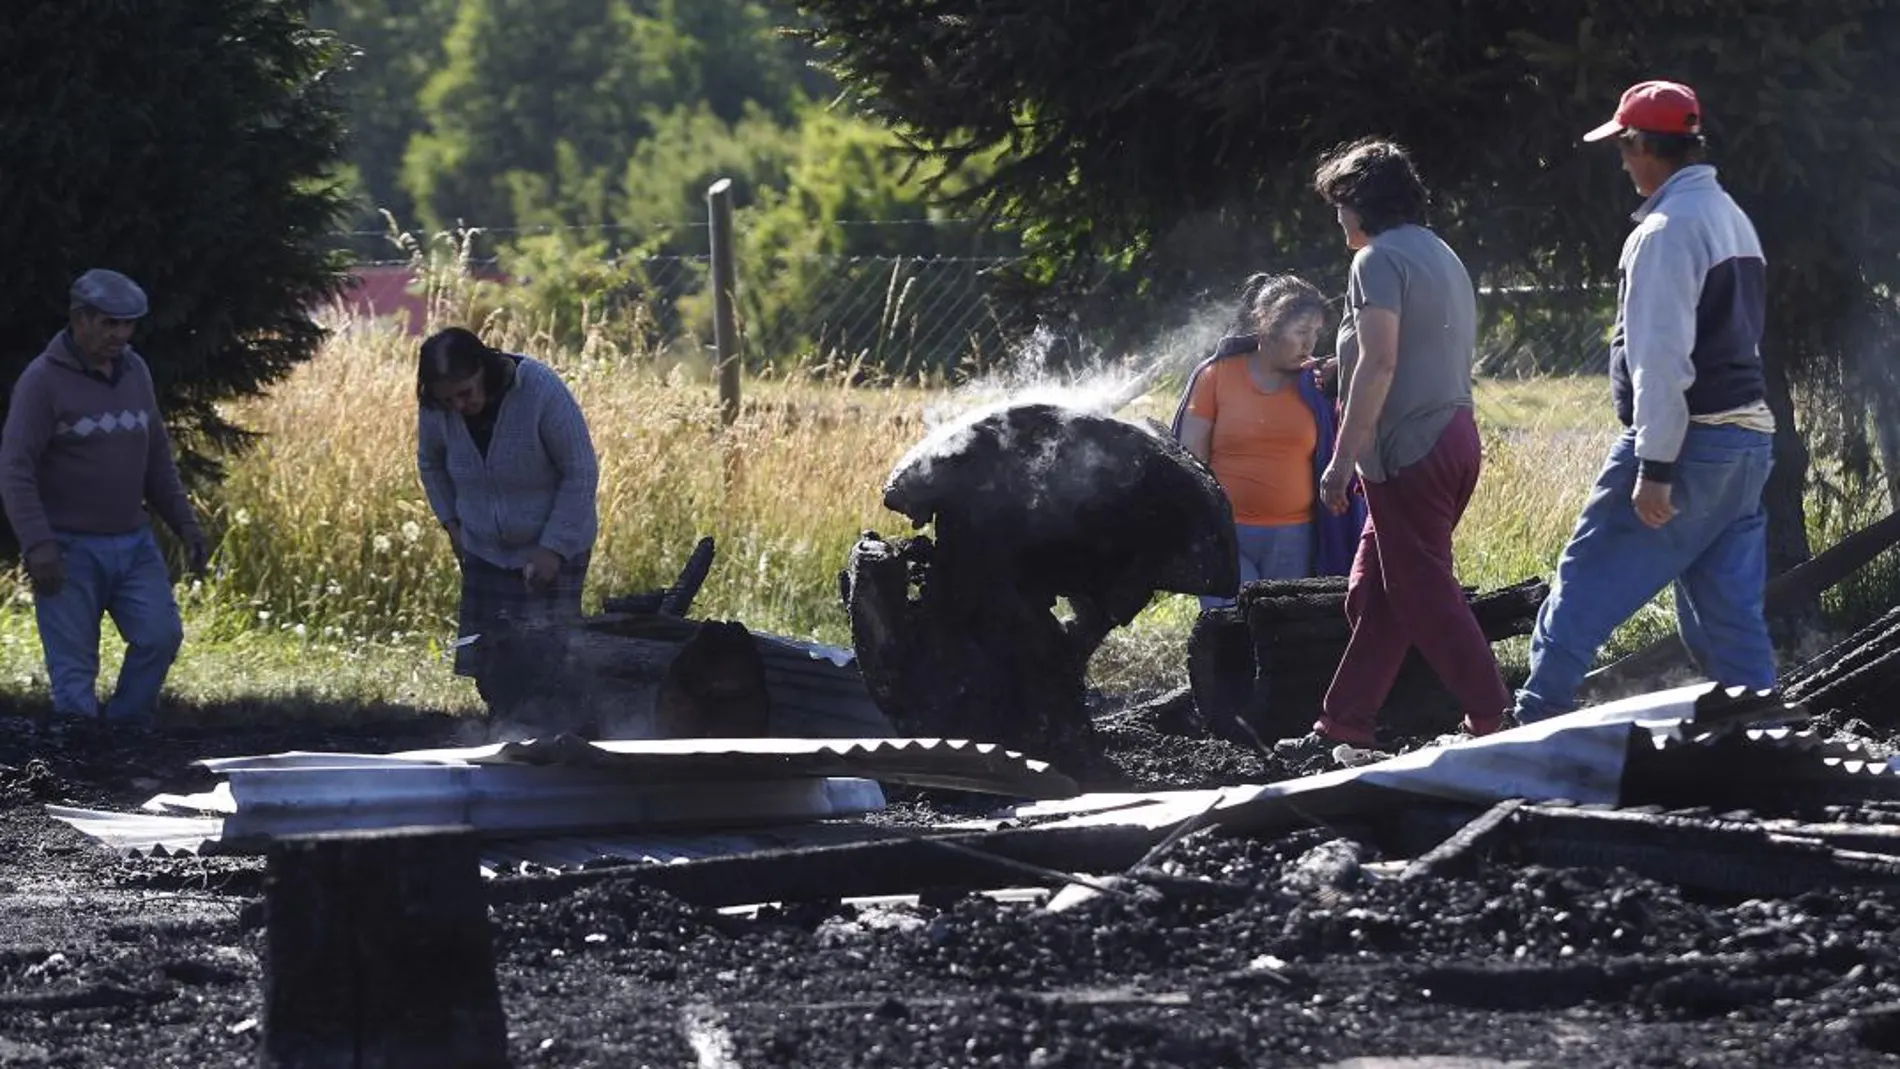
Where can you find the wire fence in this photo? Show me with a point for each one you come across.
(895, 312)
(890, 312)
(899, 314)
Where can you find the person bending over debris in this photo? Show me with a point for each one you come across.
(1258, 414)
(1679, 499)
(510, 471)
(1406, 344)
(83, 451)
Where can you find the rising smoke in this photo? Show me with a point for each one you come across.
(1148, 377)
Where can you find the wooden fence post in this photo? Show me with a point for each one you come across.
(724, 274)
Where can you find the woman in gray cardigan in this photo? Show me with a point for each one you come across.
(510, 471)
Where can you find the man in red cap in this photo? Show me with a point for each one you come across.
(1679, 501)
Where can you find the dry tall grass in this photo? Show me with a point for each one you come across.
(324, 524)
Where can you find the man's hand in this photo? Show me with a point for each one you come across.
(46, 566)
(543, 566)
(1332, 486)
(1651, 500)
(197, 555)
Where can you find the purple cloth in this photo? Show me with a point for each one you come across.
(1335, 538)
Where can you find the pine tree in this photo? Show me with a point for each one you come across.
(186, 145)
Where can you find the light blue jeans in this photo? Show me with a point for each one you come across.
(123, 576)
(1283, 551)
(1714, 551)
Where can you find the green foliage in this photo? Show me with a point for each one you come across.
(526, 86)
(827, 290)
(391, 47)
(186, 145)
(816, 287)
(690, 148)
(579, 138)
(539, 104)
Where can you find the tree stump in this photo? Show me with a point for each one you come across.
(379, 954)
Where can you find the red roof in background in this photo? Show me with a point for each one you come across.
(377, 291)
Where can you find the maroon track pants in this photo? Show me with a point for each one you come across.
(1402, 593)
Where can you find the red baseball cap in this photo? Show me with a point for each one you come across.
(1654, 107)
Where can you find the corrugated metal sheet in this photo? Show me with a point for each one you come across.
(141, 833)
(818, 688)
(1584, 757)
(138, 833)
(563, 803)
(498, 799)
(946, 763)
(1578, 757)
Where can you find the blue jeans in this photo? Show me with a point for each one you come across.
(1715, 551)
(124, 576)
(1282, 551)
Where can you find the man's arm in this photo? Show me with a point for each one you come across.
(1662, 286)
(28, 431)
(165, 490)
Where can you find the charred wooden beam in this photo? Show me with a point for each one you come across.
(896, 863)
(1711, 854)
(1458, 848)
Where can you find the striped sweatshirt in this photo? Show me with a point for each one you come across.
(85, 450)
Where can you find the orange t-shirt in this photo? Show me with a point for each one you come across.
(1262, 452)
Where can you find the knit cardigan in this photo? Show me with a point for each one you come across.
(536, 486)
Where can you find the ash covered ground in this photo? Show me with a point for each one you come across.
(1226, 952)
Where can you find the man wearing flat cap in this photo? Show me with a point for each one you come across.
(1679, 501)
(83, 453)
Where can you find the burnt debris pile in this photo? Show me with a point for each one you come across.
(1258, 670)
(1033, 506)
(1855, 680)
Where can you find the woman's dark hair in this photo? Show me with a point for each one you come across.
(1375, 178)
(454, 354)
(1268, 301)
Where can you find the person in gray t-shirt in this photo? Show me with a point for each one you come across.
(1405, 349)
(1409, 271)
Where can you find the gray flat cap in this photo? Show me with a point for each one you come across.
(109, 292)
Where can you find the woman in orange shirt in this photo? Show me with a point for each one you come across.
(1258, 414)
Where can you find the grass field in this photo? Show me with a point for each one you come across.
(333, 586)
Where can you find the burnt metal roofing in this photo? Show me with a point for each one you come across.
(951, 764)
